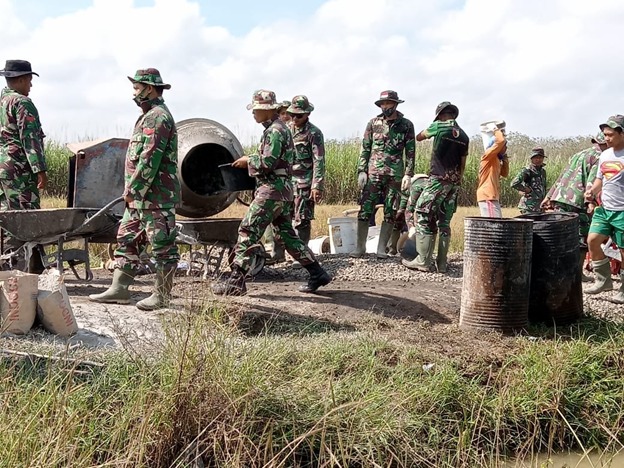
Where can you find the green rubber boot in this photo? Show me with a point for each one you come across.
(603, 281)
(161, 296)
(424, 247)
(384, 236)
(118, 292)
(618, 297)
(444, 242)
(360, 243)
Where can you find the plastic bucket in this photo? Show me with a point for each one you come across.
(320, 245)
(236, 179)
(342, 234)
(372, 239)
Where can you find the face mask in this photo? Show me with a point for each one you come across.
(141, 97)
(388, 112)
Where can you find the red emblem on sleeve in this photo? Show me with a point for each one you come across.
(148, 131)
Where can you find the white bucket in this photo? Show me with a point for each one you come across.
(372, 239)
(319, 245)
(486, 136)
(342, 234)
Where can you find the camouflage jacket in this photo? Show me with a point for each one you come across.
(152, 160)
(580, 173)
(450, 146)
(532, 177)
(308, 169)
(21, 136)
(383, 145)
(272, 165)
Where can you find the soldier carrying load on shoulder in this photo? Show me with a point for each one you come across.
(531, 183)
(381, 171)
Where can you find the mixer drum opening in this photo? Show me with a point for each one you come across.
(200, 168)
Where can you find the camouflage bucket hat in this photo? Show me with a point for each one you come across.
(615, 121)
(537, 152)
(599, 139)
(446, 105)
(263, 99)
(283, 105)
(300, 105)
(388, 95)
(149, 76)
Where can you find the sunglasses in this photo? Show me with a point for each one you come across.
(297, 116)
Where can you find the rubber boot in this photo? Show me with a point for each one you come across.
(603, 281)
(318, 277)
(161, 295)
(394, 240)
(118, 292)
(618, 297)
(233, 286)
(360, 243)
(584, 277)
(384, 236)
(444, 242)
(424, 247)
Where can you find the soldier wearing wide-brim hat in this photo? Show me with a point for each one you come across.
(438, 201)
(385, 167)
(151, 192)
(22, 159)
(272, 203)
(309, 167)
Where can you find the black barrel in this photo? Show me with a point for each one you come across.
(556, 278)
(497, 274)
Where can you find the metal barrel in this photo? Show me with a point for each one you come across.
(204, 145)
(556, 278)
(497, 271)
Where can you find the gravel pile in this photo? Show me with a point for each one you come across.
(367, 269)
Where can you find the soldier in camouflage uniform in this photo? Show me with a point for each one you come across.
(531, 183)
(272, 201)
(283, 111)
(152, 190)
(22, 159)
(439, 198)
(381, 171)
(567, 193)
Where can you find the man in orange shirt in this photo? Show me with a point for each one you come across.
(494, 164)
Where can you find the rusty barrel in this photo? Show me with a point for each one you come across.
(497, 274)
(556, 278)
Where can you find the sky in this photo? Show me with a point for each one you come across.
(546, 67)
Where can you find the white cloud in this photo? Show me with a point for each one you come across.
(547, 67)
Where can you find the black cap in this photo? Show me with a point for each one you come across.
(13, 68)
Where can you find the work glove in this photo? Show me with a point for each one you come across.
(362, 179)
(405, 183)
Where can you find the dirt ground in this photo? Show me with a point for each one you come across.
(422, 312)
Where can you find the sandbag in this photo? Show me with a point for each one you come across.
(54, 309)
(18, 301)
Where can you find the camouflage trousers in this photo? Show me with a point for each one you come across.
(378, 187)
(438, 200)
(19, 194)
(261, 214)
(304, 207)
(584, 220)
(142, 228)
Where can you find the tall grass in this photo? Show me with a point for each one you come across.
(312, 397)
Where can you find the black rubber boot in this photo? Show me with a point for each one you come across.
(318, 277)
(233, 286)
(304, 233)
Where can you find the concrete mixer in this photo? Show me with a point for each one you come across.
(96, 174)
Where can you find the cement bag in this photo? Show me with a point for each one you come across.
(18, 301)
(54, 309)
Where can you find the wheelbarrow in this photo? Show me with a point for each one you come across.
(58, 226)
